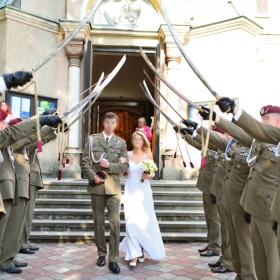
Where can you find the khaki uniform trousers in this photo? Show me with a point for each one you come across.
(12, 235)
(265, 249)
(241, 245)
(113, 203)
(213, 224)
(29, 217)
(226, 258)
(4, 221)
(278, 239)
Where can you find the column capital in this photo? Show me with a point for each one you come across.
(74, 51)
(171, 50)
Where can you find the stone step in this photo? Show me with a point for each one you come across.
(156, 185)
(67, 236)
(86, 204)
(87, 225)
(86, 214)
(83, 194)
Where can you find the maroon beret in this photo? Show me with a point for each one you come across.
(14, 121)
(3, 115)
(217, 129)
(269, 109)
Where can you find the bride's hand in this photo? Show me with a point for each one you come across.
(122, 160)
(148, 176)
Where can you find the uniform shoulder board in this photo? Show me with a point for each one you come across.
(95, 134)
(120, 138)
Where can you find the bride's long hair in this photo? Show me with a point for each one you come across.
(146, 144)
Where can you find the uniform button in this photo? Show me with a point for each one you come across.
(253, 169)
(250, 178)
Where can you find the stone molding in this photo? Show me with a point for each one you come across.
(69, 25)
(30, 19)
(172, 53)
(241, 22)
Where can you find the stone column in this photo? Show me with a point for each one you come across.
(173, 57)
(74, 51)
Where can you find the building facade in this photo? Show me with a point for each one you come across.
(235, 45)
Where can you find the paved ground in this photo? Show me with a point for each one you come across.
(77, 261)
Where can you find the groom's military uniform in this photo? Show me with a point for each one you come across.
(108, 193)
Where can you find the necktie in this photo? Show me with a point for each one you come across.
(107, 140)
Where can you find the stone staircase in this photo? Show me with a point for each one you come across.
(63, 212)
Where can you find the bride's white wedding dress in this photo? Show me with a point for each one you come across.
(142, 229)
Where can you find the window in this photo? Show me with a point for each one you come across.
(261, 6)
(23, 104)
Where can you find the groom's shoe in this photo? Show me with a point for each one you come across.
(114, 267)
(101, 261)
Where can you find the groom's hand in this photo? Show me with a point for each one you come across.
(97, 179)
(104, 163)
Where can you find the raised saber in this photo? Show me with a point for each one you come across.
(100, 88)
(155, 87)
(83, 102)
(152, 67)
(149, 96)
(69, 38)
(183, 52)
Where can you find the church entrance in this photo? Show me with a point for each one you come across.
(123, 95)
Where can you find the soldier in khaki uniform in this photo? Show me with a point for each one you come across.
(210, 209)
(224, 264)
(269, 134)
(259, 193)
(36, 184)
(238, 221)
(9, 136)
(30, 143)
(101, 154)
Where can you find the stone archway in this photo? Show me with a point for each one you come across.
(156, 4)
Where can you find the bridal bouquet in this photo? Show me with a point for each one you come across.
(149, 166)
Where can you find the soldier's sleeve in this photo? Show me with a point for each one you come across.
(216, 142)
(117, 167)
(236, 132)
(14, 133)
(262, 132)
(85, 163)
(19, 145)
(33, 146)
(195, 142)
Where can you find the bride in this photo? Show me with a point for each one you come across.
(142, 229)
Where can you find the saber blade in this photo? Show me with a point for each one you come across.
(183, 52)
(99, 89)
(155, 87)
(152, 67)
(149, 96)
(69, 38)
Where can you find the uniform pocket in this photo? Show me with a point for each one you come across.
(116, 151)
(23, 185)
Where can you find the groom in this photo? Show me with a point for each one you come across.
(100, 165)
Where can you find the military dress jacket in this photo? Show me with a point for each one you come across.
(22, 169)
(95, 149)
(14, 133)
(205, 176)
(268, 134)
(264, 173)
(219, 175)
(237, 170)
(34, 162)
(7, 175)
